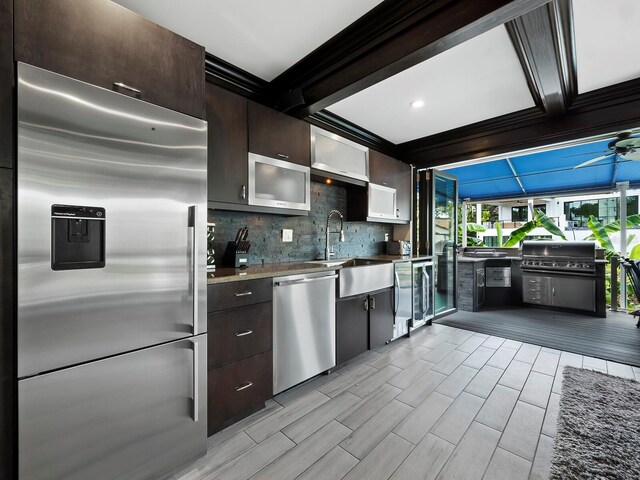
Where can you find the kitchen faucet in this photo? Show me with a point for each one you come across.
(329, 250)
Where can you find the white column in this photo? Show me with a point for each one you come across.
(623, 243)
(464, 224)
(479, 213)
(529, 209)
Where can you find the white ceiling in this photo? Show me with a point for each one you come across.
(476, 80)
(263, 37)
(607, 35)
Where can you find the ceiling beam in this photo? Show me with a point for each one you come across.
(394, 36)
(544, 42)
(235, 79)
(603, 111)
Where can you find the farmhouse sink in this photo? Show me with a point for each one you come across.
(359, 275)
(347, 262)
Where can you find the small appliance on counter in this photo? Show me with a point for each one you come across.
(237, 253)
(398, 247)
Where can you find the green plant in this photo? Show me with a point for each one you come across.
(472, 241)
(539, 220)
(601, 233)
(499, 233)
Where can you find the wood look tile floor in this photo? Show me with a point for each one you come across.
(445, 403)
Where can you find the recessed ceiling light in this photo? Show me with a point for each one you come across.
(417, 104)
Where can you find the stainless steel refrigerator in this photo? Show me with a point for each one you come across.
(111, 283)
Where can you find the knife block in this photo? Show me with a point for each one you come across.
(233, 258)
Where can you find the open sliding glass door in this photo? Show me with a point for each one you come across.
(435, 234)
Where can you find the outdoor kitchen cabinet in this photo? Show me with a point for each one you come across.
(104, 44)
(560, 291)
(240, 353)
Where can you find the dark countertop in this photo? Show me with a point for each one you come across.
(268, 270)
(465, 259)
(397, 258)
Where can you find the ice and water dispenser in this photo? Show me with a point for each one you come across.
(77, 237)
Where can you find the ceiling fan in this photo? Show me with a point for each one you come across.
(625, 146)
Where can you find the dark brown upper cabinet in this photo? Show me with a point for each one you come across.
(226, 114)
(274, 134)
(103, 43)
(392, 173)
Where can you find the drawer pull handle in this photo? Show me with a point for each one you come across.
(123, 86)
(244, 294)
(244, 387)
(282, 155)
(242, 334)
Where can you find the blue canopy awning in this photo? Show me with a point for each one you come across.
(546, 173)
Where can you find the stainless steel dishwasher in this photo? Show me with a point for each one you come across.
(304, 327)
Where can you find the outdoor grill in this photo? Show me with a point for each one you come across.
(567, 257)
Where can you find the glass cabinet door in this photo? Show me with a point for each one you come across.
(444, 232)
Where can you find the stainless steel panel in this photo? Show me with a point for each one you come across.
(365, 278)
(304, 328)
(277, 183)
(130, 416)
(403, 298)
(332, 153)
(543, 248)
(83, 145)
(498, 276)
(536, 289)
(557, 290)
(574, 292)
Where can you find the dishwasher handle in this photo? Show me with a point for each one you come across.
(302, 281)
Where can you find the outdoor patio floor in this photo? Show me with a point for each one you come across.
(614, 338)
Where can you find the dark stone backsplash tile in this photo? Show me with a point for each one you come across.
(361, 238)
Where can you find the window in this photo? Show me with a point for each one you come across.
(606, 210)
(519, 214)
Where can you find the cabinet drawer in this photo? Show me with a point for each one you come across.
(238, 294)
(239, 333)
(238, 388)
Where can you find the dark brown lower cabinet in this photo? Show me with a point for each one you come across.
(352, 318)
(239, 333)
(363, 322)
(239, 350)
(238, 389)
(380, 318)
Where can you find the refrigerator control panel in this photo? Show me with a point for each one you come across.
(68, 211)
(77, 237)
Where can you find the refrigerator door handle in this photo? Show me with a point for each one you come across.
(196, 405)
(193, 214)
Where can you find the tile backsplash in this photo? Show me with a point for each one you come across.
(361, 238)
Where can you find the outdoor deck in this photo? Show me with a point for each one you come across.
(614, 338)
